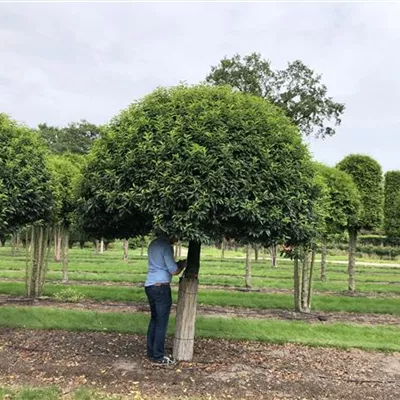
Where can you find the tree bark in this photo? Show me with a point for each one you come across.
(273, 250)
(96, 247)
(187, 304)
(223, 245)
(305, 281)
(37, 260)
(125, 249)
(102, 246)
(352, 259)
(256, 252)
(297, 280)
(57, 243)
(310, 281)
(323, 260)
(175, 250)
(247, 278)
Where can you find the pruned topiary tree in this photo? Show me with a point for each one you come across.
(341, 206)
(367, 176)
(65, 173)
(200, 163)
(391, 222)
(25, 193)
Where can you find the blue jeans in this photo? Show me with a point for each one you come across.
(160, 301)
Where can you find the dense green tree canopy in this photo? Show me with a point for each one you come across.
(392, 204)
(367, 176)
(298, 90)
(77, 137)
(341, 201)
(200, 162)
(25, 190)
(65, 176)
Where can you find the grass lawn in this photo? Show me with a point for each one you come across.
(55, 393)
(224, 298)
(377, 337)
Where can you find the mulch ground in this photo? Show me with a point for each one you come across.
(221, 369)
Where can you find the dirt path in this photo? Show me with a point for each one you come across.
(221, 369)
(127, 307)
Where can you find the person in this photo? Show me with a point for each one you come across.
(162, 267)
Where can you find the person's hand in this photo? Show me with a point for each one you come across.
(182, 264)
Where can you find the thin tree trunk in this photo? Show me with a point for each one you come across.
(29, 258)
(102, 246)
(263, 253)
(96, 247)
(187, 304)
(305, 280)
(37, 260)
(352, 259)
(17, 242)
(180, 250)
(247, 278)
(273, 250)
(323, 260)
(297, 282)
(58, 244)
(256, 252)
(310, 281)
(223, 245)
(125, 250)
(65, 247)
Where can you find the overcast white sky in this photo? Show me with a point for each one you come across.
(65, 62)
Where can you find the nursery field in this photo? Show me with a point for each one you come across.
(85, 339)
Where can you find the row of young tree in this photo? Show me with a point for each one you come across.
(201, 163)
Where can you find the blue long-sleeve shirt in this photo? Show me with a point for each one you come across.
(161, 262)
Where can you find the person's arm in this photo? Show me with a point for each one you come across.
(173, 267)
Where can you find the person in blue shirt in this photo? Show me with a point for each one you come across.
(162, 267)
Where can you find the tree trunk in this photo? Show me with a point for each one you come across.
(247, 278)
(18, 242)
(125, 250)
(57, 243)
(352, 259)
(180, 250)
(303, 275)
(37, 260)
(187, 304)
(176, 250)
(297, 280)
(310, 281)
(13, 241)
(223, 245)
(273, 251)
(96, 247)
(256, 252)
(305, 281)
(102, 246)
(64, 254)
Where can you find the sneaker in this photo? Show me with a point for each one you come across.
(165, 361)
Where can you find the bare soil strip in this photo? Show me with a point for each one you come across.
(220, 370)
